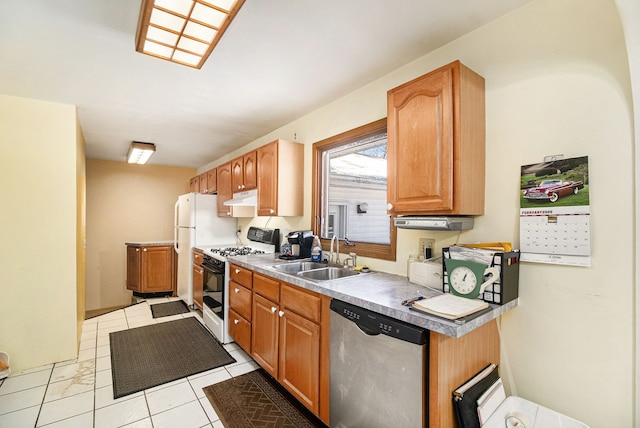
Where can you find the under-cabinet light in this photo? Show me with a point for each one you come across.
(183, 31)
(140, 152)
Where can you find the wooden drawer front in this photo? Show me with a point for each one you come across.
(266, 287)
(304, 303)
(197, 257)
(240, 330)
(241, 275)
(240, 299)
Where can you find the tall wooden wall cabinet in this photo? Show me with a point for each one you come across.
(436, 143)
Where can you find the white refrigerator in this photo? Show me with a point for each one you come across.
(196, 224)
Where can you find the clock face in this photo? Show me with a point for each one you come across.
(463, 280)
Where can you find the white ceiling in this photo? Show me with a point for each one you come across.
(279, 60)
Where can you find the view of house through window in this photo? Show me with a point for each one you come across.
(356, 175)
(350, 182)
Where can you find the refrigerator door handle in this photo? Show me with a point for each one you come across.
(175, 227)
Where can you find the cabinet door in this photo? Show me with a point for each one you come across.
(237, 175)
(157, 269)
(420, 144)
(194, 184)
(250, 170)
(212, 181)
(264, 338)
(268, 179)
(299, 359)
(224, 189)
(198, 274)
(240, 330)
(133, 268)
(204, 187)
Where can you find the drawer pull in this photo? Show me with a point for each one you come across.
(236, 321)
(237, 270)
(281, 313)
(273, 309)
(236, 290)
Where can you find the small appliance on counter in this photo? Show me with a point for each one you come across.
(297, 245)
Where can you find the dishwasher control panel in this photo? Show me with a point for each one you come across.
(374, 323)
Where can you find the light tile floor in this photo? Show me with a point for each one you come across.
(79, 393)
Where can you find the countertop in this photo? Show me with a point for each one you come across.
(379, 292)
(149, 243)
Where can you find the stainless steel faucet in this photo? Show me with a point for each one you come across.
(337, 259)
(353, 258)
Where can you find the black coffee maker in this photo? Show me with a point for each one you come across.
(298, 245)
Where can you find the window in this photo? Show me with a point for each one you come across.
(350, 191)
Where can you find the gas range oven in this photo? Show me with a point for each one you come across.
(215, 264)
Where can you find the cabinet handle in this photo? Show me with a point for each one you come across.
(273, 309)
(389, 207)
(272, 211)
(280, 313)
(137, 250)
(144, 249)
(236, 290)
(237, 270)
(236, 321)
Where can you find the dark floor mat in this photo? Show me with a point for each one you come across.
(256, 400)
(170, 308)
(148, 356)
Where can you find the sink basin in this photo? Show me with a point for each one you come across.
(295, 267)
(327, 273)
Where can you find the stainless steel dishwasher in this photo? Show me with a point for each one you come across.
(379, 370)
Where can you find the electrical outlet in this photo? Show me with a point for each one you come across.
(426, 243)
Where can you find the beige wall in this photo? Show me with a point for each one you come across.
(125, 203)
(81, 229)
(40, 174)
(557, 81)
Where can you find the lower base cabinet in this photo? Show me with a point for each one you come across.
(286, 338)
(151, 268)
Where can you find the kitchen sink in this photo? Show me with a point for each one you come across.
(295, 267)
(327, 273)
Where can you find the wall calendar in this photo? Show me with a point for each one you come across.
(554, 212)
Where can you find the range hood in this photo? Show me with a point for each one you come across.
(433, 223)
(248, 198)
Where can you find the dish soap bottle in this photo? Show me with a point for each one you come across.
(316, 250)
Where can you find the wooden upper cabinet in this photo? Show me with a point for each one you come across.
(208, 182)
(204, 183)
(212, 181)
(194, 184)
(436, 143)
(244, 172)
(280, 194)
(224, 189)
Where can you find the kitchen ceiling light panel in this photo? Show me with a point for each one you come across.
(183, 31)
(140, 152)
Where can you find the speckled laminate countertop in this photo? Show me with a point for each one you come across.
(149, 243)
(379, 292)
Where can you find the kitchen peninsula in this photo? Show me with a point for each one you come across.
(457, 350)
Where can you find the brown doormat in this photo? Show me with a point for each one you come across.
(257, 400)
(170, 308)
(148, 356)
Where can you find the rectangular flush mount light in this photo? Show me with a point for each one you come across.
(140, 152)
(183, 31)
